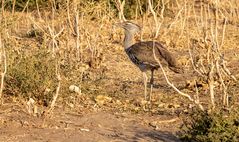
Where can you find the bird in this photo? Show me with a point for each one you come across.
(142, 54)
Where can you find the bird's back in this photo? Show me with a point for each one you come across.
(142, 55)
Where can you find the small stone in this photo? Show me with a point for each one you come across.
(74, 88)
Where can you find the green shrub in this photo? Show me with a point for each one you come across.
(30, 75)
(211, 127)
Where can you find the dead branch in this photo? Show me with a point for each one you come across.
(69, 17)
(2, 9)
(54, 44)
(175, 88)
(157, 24)
(57, 90)
(162, 10)
(210, 63)
(224, 87)
(183, 19)
(13, 6)
(227, 70)
(120, 6)
(175, 19)
(168, 121)
(3, 61)
(211, 84)
(76, 29)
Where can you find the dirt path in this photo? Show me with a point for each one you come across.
(17, 125)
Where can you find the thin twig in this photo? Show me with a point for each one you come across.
(192, 61)
(175, 88)
(69, 17)
(227, 70)
(224, 88)
(3, 59)
(76, 29)
(13, 6)
(57, 90)
(38, 10)
(120, 6)
(157, 25)
(54, 43)
(211, 84)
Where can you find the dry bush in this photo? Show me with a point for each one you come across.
(34, 56)
(86, 37)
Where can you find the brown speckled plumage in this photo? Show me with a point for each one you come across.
(142, 54)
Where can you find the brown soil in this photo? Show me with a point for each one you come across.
(17, 125)
(111, 108)
(124, 118)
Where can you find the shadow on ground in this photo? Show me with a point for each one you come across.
(16, 125)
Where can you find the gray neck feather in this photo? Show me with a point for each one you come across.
(128, 39)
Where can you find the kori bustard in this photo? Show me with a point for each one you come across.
(142, 54)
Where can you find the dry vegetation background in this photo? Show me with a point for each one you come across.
(66, 57)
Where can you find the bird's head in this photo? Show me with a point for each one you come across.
(129, 26)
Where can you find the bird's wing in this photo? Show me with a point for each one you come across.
(143, 52)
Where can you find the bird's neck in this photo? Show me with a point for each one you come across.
(128, 39)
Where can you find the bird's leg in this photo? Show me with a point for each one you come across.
(151, 83)
(145, 85)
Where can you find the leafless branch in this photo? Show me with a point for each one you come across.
(54, 44)
(3, 61)
(172, 85)
(120, 6)
(76, 29)
(157, 24)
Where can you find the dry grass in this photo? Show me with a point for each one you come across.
(84, 49)
(87, 53)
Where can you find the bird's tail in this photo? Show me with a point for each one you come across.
(170, 59)
(176, 69)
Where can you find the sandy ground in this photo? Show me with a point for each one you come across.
(112, 107)
(122, 118)
(98, 126)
